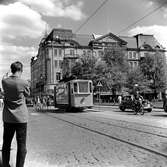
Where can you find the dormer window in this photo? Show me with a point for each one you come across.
(147, 47)
(157, 47)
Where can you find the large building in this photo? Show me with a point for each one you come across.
(59, 50)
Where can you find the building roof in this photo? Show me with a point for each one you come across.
(149, 40)
(131, 41)
(111, 35)
(82, 39)
(96, 36)
(135, 42)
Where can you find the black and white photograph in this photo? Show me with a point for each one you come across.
(83, 83)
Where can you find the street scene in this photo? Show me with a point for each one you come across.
(83, 83)
(102, 136)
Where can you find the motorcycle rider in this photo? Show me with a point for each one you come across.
(138, 100)
(137, 96)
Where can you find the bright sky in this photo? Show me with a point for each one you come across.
(23, 23)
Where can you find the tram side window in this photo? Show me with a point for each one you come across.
(75, 88)
(90, 87)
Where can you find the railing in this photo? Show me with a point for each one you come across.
(69, 56)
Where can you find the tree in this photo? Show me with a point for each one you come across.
(84, 67)
(153, 68)
(117, 68)
(134, 77)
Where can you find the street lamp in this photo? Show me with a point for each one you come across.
(41, 83)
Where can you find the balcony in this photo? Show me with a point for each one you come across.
(69, 56)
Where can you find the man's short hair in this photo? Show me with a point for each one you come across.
(16, 67)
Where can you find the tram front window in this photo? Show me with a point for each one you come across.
(83, 87)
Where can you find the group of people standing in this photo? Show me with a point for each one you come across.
(42, 102)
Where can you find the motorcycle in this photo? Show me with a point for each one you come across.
(138, 107)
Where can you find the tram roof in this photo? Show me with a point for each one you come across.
(73, 80)
(80, 80)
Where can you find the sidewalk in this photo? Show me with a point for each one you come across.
(158, 104)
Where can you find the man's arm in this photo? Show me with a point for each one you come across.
(3, 87)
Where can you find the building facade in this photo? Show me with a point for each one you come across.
(59, 50)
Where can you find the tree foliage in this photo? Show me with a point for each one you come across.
(84, 67)
(134, 77)
(111, 69)
(117, 68)
(153, 68)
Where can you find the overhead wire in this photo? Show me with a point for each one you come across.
(94, 13)
(143, 17)
(124, 29)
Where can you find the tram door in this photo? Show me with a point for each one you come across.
(69, 93)
(55, 103)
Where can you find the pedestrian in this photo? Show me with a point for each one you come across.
(119, 99)
(15, 114)
(48, 102)
(38, 104)
(43, 103)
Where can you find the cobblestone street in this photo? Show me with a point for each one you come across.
(53, 142)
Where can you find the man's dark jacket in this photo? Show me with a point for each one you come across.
(15, 91)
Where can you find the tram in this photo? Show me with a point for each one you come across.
(164, 99)
(77, 93)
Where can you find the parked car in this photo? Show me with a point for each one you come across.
(147, 105)
(128, 103)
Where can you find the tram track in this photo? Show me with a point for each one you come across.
(138, 123)
(126, 127)
(79, 124)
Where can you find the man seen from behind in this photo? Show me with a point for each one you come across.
(15, 114)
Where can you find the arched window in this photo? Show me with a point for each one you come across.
(147, 47)
(157, 47)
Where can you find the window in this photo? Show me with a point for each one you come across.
(89, 52)
(61, 63)
(72, 52)
(56, 63)
(83, 87)
(60, 52)
(90, 87)
(135, 64)
(84, 52)
(146, 54)
(100, 53)
(75, 88)
(55, 52)
(130, 55)
(134, 55)
(58, 76)
(131, 64)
